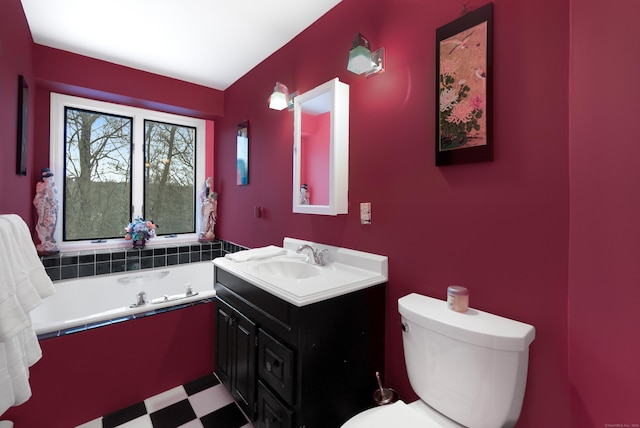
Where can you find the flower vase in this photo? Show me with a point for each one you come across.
(139, 244)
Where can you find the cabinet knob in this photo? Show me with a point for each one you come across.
(269, 366)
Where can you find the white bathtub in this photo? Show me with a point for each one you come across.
(94, 301)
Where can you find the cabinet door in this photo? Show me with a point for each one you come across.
(235, 353)
(243, 386)
(224, 343)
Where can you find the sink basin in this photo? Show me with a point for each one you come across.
(294, 269)
(289, 277)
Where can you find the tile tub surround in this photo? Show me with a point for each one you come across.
(79, 264)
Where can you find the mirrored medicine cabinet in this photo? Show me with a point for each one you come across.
(321, 150)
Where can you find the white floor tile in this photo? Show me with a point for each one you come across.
(141, 422)
(205, 402)
(165, 399)
(96, 423)
(192, 424)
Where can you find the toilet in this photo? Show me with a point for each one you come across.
(469, 369)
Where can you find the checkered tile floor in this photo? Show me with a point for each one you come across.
(203, 403)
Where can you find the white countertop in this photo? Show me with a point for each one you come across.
(346, 271)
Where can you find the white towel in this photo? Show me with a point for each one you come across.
(23, 284)
(33, 265)
(256, 253)
(13, 317)
(18, 282)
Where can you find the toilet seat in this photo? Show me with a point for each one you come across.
(417, 414)
(398, 414)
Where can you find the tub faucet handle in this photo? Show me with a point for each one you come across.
(142, 298)
(189, 291)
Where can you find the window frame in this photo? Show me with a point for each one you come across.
(57, 159)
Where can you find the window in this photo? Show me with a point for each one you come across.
(112, 163)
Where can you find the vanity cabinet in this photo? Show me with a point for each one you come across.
(310, 366)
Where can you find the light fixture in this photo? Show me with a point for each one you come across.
(280, 98)
(361, 60)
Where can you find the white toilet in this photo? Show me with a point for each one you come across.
(469, 369)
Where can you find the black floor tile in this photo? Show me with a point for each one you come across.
(201, 384)
(127, 414)
(228, 416)
(173, 416)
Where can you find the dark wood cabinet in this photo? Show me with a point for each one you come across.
(235, 354)
(310, 366)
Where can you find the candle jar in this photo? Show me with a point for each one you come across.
(458, 298)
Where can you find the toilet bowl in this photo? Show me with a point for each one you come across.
(469, 369)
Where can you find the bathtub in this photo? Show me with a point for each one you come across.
(95, 301)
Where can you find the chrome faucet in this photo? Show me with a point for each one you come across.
(318, 255)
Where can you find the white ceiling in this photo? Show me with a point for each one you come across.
(208, 42)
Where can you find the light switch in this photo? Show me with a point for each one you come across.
(365, 212)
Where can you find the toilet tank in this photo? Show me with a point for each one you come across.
(471, 367)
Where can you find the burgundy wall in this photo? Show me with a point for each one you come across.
(85, 375)
(499, 228)
(604, 271)
(15, 59)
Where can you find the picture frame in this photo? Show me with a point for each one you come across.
(23, 126)
(464, 88)
(242, 154)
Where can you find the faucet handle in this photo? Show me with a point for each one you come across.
(142, 298)
(320, 256)
(189, 290)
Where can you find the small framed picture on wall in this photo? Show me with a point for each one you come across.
(23, 126)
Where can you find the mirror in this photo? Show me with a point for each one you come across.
(321, 150)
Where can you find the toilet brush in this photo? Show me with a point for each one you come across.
(382, 395)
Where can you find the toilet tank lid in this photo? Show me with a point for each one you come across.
(475, 326)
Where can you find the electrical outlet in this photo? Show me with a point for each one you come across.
(365, 212)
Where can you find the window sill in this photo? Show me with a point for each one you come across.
(123, 244)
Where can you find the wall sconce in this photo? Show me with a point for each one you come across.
(361, 60)
(280, 98)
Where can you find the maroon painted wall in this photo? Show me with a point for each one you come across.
(499, 228)
(15, 59)
(604, 271)
(85, 375)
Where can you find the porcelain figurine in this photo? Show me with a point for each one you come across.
(209, 202)
(304, 194)
(46, 204)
